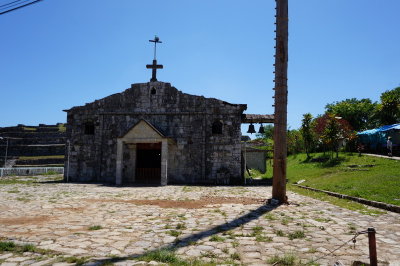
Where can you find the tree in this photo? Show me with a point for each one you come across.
(330, 128)
(268, 132)
(306, 132)
(332, 134)
(361, 114)
(294, 142)
(389, 108)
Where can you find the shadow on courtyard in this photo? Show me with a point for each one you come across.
(188, 240)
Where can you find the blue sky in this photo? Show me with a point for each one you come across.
(62, 53)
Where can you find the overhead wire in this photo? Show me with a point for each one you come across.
(18, 3)
(18, 7)
(10, 3)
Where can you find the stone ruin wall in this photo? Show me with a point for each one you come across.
(32, 141)
(197, 156)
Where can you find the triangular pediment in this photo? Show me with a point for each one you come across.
(143, 130)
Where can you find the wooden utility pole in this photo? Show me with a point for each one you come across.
(280, 120)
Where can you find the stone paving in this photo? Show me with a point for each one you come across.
(383, 156)
(226, 225)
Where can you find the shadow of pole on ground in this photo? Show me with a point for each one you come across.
(188, 240)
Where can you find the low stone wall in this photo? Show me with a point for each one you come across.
(34, 150)
(376, 204)
(22, 171)
(41, 162)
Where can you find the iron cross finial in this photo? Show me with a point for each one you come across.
(154, 66)
(156, 40)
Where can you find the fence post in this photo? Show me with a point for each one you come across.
(373, 260)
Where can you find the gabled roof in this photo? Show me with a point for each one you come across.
(148, 124)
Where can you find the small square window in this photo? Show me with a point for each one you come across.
(89, 128)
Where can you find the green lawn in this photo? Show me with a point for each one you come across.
(365, 177)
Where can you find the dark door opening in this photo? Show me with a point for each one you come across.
(148, 163)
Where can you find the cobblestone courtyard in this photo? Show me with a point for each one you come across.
(213, 224)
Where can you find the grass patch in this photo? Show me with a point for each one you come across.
(261, 238)
(220, 212)
(7, 246)
(29, 129)
(270, 216)
(187, 189)
(169, 257)
(73, 259)
(279, 233)
(15, 181)
(348, 204)
(27, 180)
(95, 227)
(41, 157)
(210, 254)
(322, 220)
(162, 255)
(257, 230)
(286, 220)
(180, 227)
(287, 260)
(366, 177)
(174, 233)
(229, 234)
(296, 235)
(62, 128)
(216, 238)
(352, 228)
(181, 216)
(51, 172)
(235, 256)
(24, 199)
(12, 247)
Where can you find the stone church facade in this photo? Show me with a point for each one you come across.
(153, 133)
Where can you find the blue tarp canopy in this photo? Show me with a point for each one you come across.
(381, 129)
(375, 138)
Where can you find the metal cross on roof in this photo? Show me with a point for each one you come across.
(154, 66)
(156, 40)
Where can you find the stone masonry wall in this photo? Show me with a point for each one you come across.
(196, 156)
(256, 159)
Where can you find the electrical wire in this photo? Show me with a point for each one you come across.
(18, 7)
(15, 4)
(10, 3)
